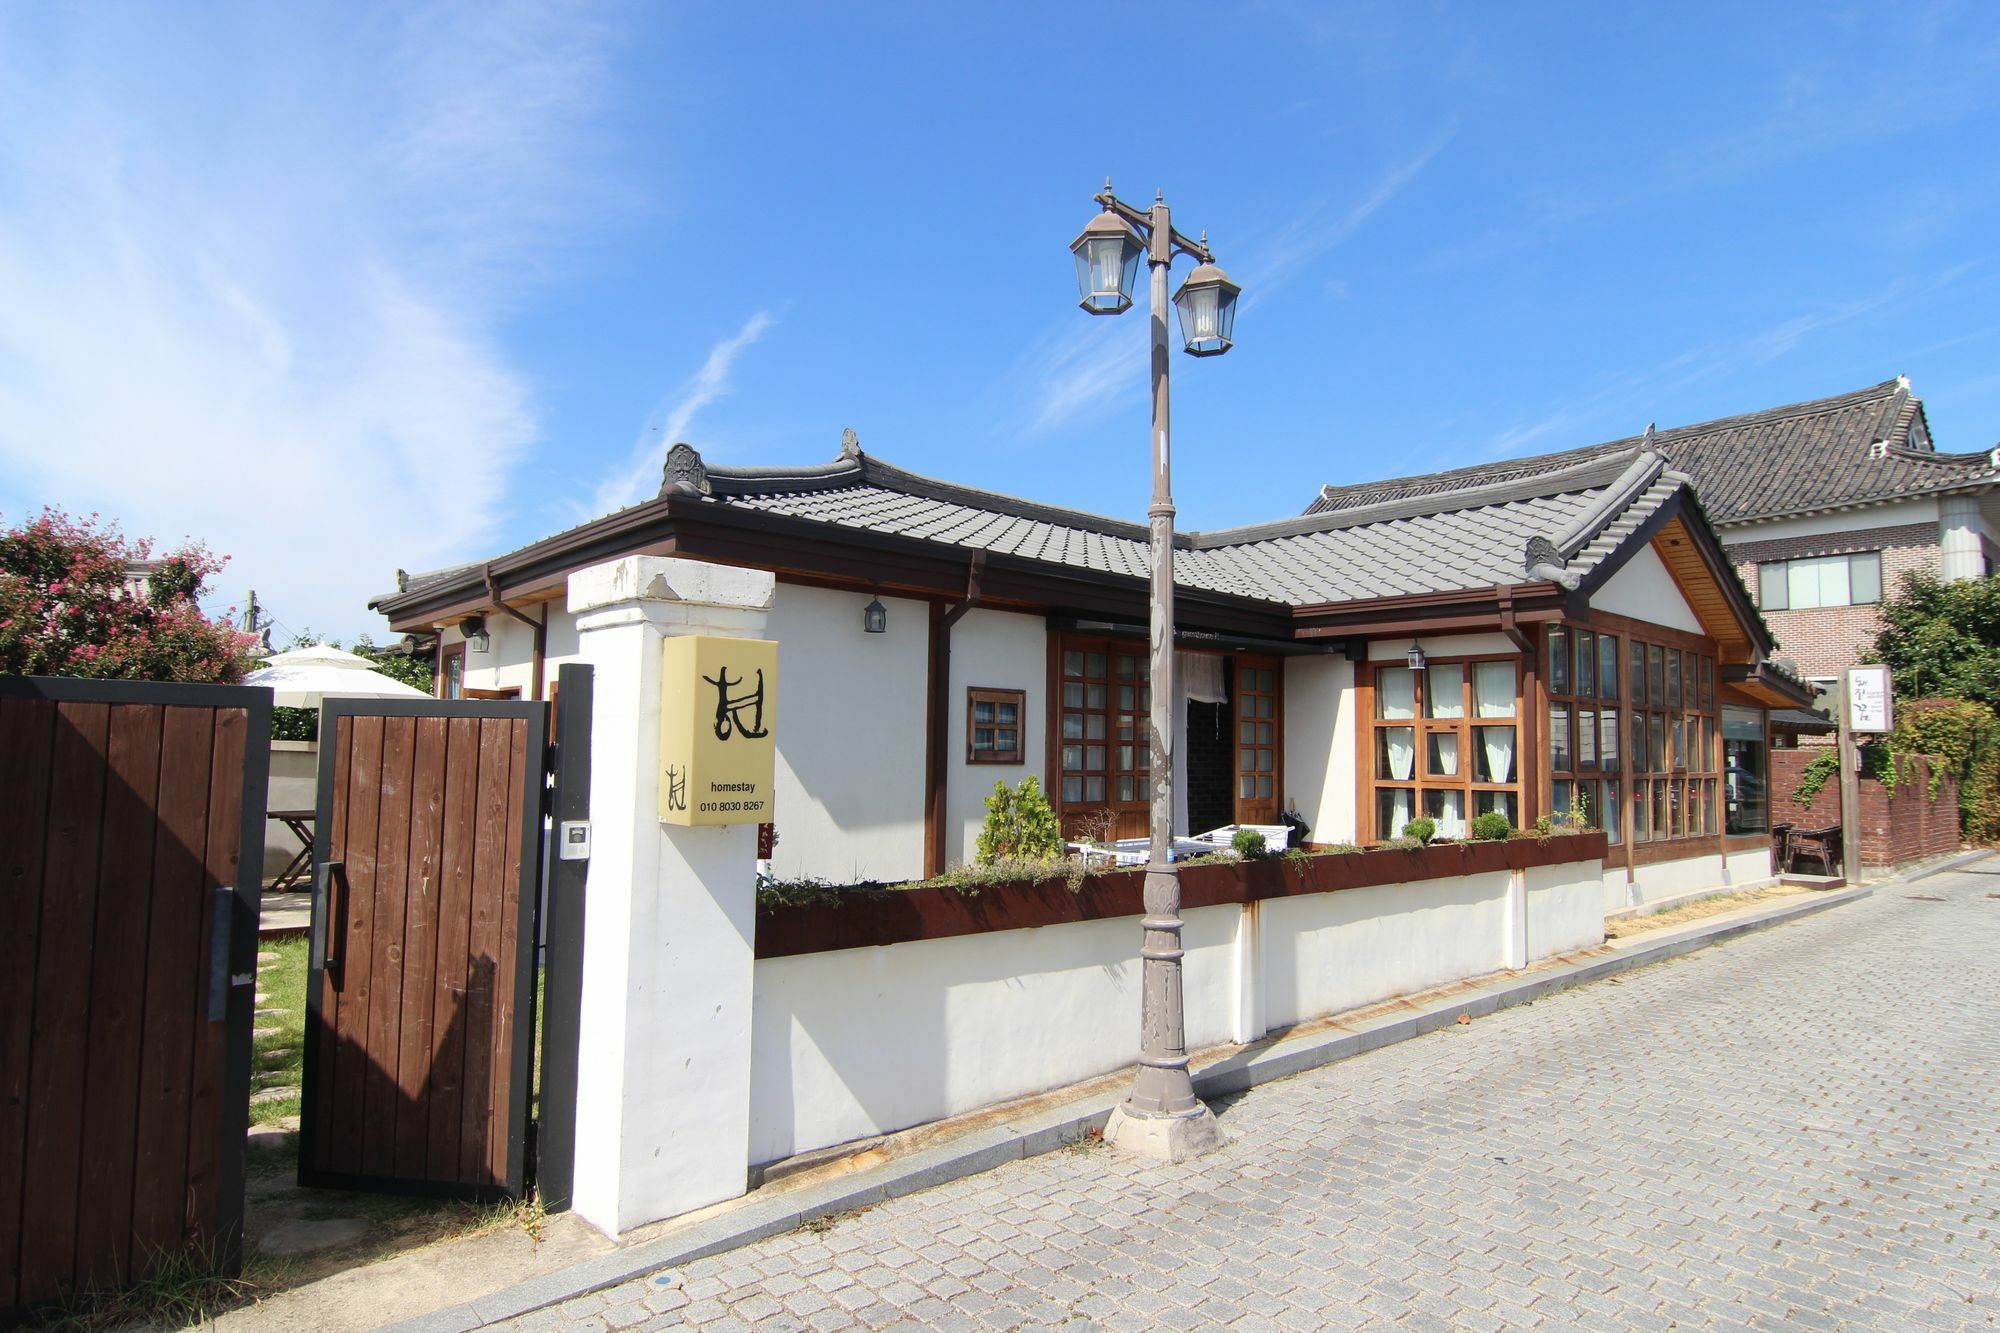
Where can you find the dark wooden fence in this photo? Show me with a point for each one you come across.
(131, 839)
(421, 990)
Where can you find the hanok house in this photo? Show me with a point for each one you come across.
(1570, 640)
(1823, 506)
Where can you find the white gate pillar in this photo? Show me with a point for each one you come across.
(663, 1069)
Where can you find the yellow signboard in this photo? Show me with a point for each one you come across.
(718, 729)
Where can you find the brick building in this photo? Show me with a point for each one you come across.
(1823, 507)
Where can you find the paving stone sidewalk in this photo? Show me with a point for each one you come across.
(1798, 1129)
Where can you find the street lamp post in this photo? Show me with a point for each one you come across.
(1161, 1117)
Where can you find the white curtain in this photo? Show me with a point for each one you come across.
(1493, 688)
(1201, 677)
(1396, 693)
(1444, 693)
(1402, 752)
(1400, 811)
(1499, 743)
(1451, 814)
(1445, 754)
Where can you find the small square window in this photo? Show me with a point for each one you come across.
(993, 727)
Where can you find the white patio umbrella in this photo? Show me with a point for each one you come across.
(306, 677)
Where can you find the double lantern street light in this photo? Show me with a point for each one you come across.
(1161, 1117)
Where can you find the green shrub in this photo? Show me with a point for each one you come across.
(1423, 828)
(1249, 844)
(1020, 825)
(1492, 827)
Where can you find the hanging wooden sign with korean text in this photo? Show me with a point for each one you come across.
(718, 729)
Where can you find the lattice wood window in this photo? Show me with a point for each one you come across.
(1445, 743)
(1104, 701)
(1641, 763)
(993, 725)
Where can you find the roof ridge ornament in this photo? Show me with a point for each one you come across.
(1544, 561)
(684, 472)
(850, 445)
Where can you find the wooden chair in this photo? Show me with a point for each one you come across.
(1819, 844)
(1781, 847)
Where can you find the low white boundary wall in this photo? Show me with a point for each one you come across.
(852, 1043)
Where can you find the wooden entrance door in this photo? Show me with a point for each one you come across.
(131, 841)
(420, 997)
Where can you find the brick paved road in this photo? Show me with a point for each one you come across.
(1796, 1129)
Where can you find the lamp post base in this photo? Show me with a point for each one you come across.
(1165, 1138)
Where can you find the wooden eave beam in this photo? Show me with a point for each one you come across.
(1431, 613)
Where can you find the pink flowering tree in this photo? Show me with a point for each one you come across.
(69, 606)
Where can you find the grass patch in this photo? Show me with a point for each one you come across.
(1627, 927)
(178, 1290)
(278, 1059)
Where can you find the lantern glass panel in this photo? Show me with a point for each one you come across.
(1107, 267)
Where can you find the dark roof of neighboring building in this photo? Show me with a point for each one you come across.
(1850, 450)
(1801, 719)
(1556, 525)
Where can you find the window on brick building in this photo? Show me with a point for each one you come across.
(1821, 580)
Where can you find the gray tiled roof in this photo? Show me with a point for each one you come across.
(1475, 538)
(1787, 460)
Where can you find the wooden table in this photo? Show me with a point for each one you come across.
(300, 822)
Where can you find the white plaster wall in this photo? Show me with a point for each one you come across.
(1565, 910)
(850, 771)
(1744, 869)
(510, 661)
(992, 650)
(1442, 645)
(1923, 510)
(294, 786)
(1326, 952)
(1644, 590)
(1319, 744)
(1666, 879)
(859, 1042)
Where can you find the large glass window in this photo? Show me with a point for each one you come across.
(1653, 778)
(1745, 773)
(1444, 744)
(1823, 580)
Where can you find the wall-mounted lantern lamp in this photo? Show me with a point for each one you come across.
(875, 617)
(1416, 656)
(474, 630)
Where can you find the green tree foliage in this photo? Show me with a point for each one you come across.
(1943, 639)
(65, 608)
(1020, 825)
(1423, 828)
(1492, 827)
(1964, 739)
(1249, 844)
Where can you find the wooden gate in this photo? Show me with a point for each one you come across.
(420, 999)
(131, 840)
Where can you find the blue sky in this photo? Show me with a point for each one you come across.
(342, 289)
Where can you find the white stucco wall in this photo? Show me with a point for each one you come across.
(1442, 645)
(1565, 910)
(294, 785)
(1665, 880)
(859, 1042)
(1644, 590)
(850, 771)
(998, 650)
(1319, 744)
(1750, 868)
(1326, 952)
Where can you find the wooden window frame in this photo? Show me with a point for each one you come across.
(1685, 779)
(1257, 808)
(1371, 786)
(1084, 815)
(996, 695)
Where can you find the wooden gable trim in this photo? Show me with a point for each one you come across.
(1701, 590)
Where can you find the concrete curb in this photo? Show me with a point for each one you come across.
(1949, 863)
(1033, 1135)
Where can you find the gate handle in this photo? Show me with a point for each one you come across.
(221, 910)
(324, 956)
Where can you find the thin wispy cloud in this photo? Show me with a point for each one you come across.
(1305, 240)
(1094, 367)
(639, 477)
(1623, 405)
(260, 310)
